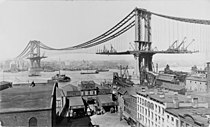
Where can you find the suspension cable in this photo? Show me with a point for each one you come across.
(189, 20)
(113, 36)
(24, 51)
(109, 32)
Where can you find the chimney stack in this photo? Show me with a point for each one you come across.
(208, 76)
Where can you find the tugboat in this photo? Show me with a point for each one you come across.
(61, 78)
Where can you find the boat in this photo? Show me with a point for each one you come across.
(102, 70)
(61, 78)
(32, 75)
(89, 72)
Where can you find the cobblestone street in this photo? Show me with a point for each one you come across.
(108, 120)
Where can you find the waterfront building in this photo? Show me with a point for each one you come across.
(199, 83)
(88, 90)
(105, 102)
(154, 109)
(180, 89)
(74, 101)
(167, 78)
(194, 83)
(28, 106)
(104, 98)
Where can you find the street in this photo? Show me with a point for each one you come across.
(108, 120)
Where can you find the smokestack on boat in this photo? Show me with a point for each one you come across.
(208, 76)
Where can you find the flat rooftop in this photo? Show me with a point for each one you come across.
(23, 98)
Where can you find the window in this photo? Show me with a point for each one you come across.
(33, 122)
(159, 109)
(58, 103)
(177, 123)
(162, 111)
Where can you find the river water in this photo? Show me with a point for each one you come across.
(76, 77)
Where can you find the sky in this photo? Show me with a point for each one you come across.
(61, 23)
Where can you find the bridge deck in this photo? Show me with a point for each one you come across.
(145, 52)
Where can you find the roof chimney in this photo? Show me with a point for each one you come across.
(208, 76)
(176, 101)
(195, 102)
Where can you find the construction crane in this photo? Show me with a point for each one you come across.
(189, 44)
(172, 46)
(185, 49)
(182, 43)
(132, 46)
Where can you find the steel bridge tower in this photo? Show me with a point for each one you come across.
(34, 56)
(143, 41)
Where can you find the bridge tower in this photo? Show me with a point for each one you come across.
(35, 57)
(143, 41)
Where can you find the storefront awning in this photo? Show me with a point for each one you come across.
(76, 102)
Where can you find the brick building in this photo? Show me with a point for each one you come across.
(28, 106)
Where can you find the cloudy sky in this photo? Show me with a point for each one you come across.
(63, 23)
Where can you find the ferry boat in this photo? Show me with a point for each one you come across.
(61, 78)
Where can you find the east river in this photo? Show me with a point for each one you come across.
(76, 77)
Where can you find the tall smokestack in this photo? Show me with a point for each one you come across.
(208, 76)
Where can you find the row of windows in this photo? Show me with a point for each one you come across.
(88, 93)
(150, 105)
(148, 122)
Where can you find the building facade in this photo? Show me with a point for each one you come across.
(198, 84)
(169, 109)
(25, 106)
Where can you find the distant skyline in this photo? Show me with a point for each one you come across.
(66, 23)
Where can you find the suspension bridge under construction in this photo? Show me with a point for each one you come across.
(178, 35)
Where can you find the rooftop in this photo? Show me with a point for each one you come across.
(196, 78)
(75, 101)
(172, 86)
(169, 98)
(166, 77)
(198, 115)
(70, 87)
(23, 98)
